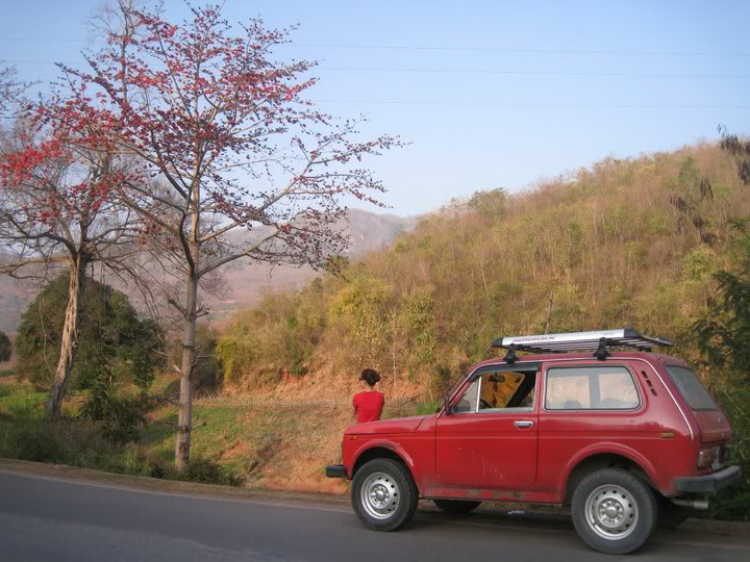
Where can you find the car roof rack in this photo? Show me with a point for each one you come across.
(597, 341)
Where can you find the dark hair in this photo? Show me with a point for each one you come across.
(370, 376)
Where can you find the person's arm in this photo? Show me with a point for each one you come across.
(354, 405)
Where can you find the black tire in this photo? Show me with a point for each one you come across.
(614, 511)
(391, 496)
(457, 507)
(672, 516)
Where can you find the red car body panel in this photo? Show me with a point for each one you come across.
(488, 456)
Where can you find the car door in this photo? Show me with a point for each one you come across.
(486, 445)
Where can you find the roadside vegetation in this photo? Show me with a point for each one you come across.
(658, 243)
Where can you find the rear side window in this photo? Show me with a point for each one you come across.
(694, 393)
(590, 388)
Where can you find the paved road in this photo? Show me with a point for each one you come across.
(49, 519)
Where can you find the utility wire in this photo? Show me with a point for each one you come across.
(481, 71)
(522, 50)
(458, 48)
(586, 105)
(530, 72)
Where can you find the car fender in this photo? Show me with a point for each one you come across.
(604, 448)
(392, 446)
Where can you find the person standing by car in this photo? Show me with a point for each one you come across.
(368, 404)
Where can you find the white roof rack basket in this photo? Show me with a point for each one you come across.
(581, 341)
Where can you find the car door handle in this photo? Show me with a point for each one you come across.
(523, 424)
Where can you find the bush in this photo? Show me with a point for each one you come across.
(111, 339)
(734, 503)
(278, 336)
(32, 440)
(119, 418)
(207, 471)
(6, 349)
(66, 441)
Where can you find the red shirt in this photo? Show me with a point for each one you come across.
(368, 405)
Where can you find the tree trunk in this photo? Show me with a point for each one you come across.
(68, 344)
(184, 419)
(549, 311)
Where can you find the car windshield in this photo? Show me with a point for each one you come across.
(694, 393)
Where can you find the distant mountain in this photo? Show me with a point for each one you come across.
(14, 296)
(370, 232)
(245, 283)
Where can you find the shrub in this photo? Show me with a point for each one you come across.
(734, 503)
(119, 418)
(32, 440)
(110, 337)
(207, 471)
(66, 441)
(6, 348)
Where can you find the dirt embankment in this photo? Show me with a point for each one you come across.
(293, 430)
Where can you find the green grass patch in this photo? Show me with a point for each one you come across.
(19, 400)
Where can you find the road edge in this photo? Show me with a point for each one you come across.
(163, 486)
(174, 487)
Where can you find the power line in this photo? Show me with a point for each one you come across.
(458, 48)
(576, 105)
(530, 72)
(522, 50)
(40, 40)
(481, 71)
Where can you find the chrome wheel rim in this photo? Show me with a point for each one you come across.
(611, 512)
(380, 495)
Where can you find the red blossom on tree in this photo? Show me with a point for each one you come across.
(58, 206)
(242, 166)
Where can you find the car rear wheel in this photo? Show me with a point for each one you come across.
(457, 507)
(384, 495)
(614, 511)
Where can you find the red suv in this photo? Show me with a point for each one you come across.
(624, 439)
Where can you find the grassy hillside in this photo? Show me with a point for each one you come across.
(627, 243)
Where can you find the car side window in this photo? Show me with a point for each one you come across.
(591, 388)
(468, 401)
(498, 391)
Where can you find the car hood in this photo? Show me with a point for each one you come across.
(390, 427)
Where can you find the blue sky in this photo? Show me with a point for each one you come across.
(489, 94)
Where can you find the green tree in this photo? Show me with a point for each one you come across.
(6, 348)
(358, 312)
(724, 341)
(490, 203)
(113, 343)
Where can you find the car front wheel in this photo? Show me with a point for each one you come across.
(384, 495)
(614, 511)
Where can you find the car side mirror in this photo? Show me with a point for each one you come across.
(446, 405)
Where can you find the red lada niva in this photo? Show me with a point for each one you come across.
(625, 439)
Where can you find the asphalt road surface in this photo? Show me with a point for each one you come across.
(53, 519)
